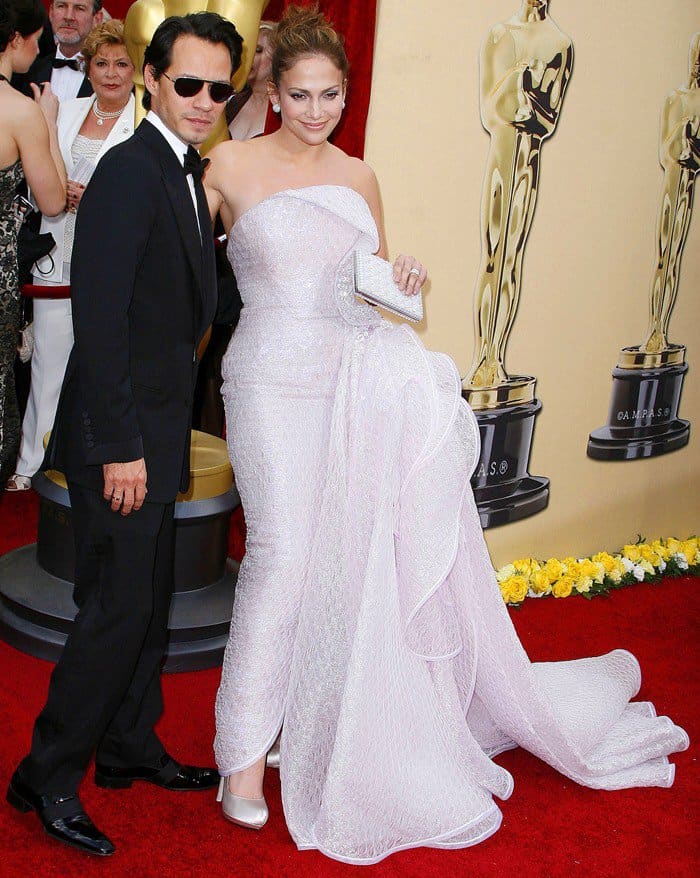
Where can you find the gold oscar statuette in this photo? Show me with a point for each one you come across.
(144, 16)
(525, 67)
(643, 419)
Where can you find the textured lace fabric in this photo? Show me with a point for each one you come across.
(83, 147)
(367, 616)
(10, 320)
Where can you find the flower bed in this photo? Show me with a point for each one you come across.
(598, 575)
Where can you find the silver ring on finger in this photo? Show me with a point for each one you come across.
(415, 271)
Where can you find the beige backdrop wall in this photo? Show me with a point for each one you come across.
(589, 258)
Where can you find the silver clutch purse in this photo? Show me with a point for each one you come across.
(374, 282)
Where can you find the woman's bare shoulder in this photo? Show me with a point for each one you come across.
(17, 108)
(238, 150)
(363, 178)
(234, 158)
(354, 171)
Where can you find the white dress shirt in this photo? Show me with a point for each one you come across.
(180, 150)
(65, 83)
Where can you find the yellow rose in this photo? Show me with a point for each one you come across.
(553, 568)
(526, 566)
(589, 569)
(539, 582)
(563, 587)
(518, 588)
(689, 548)
(647, 567)
(633, 552)
(573, 569)
(661, 550)
(673, 545)
(514, 589)
(606, 560)
(646, 552)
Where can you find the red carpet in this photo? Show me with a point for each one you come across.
(551, 827)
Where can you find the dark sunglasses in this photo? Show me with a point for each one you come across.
(189, 86)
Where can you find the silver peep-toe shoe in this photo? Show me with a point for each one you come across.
(251, 813)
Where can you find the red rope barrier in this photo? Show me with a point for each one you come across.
(34, 291)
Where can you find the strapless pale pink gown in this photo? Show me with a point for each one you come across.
(367, 616)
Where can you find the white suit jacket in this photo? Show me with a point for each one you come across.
(71, 115)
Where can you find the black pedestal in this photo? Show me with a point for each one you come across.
(503, 489)
(36, 603)
(643, 419)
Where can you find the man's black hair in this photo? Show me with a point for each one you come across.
(209, 26)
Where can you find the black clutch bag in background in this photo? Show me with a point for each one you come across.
(31, 244)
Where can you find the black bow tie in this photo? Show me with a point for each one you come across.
(194, 163)
(73, 63)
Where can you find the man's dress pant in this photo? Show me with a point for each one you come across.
(105, 692)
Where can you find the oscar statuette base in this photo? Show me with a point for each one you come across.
(504, 490)
(643, 419)
(36, 581)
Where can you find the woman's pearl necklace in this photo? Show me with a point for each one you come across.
(103, 114)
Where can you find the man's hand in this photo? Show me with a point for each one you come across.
(125, 485)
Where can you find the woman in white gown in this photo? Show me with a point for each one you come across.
(367, 616)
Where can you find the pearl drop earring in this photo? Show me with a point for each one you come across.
(276, 108)
(343, 104)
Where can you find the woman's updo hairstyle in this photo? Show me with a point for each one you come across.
(23, 17)
(303, 31)
(7, 24)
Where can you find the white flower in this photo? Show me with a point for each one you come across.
(680, 559)
(536, 594)
(638, 572)
(627, 564)
(505, 572)
(661, 565)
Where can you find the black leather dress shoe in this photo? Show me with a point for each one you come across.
(169, 774)
(62, 817)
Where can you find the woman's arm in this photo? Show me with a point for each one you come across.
(211, 183)
(409, 274)
(37, 142)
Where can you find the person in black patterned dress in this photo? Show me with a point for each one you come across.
(28, 149)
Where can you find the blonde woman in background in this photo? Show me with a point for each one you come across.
(246, 113)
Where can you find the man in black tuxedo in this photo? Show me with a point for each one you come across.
(71, 21)
(144, 292)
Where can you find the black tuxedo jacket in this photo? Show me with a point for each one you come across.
(144, 292)
(40, 71)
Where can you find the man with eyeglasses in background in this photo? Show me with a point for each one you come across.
(144, 292)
